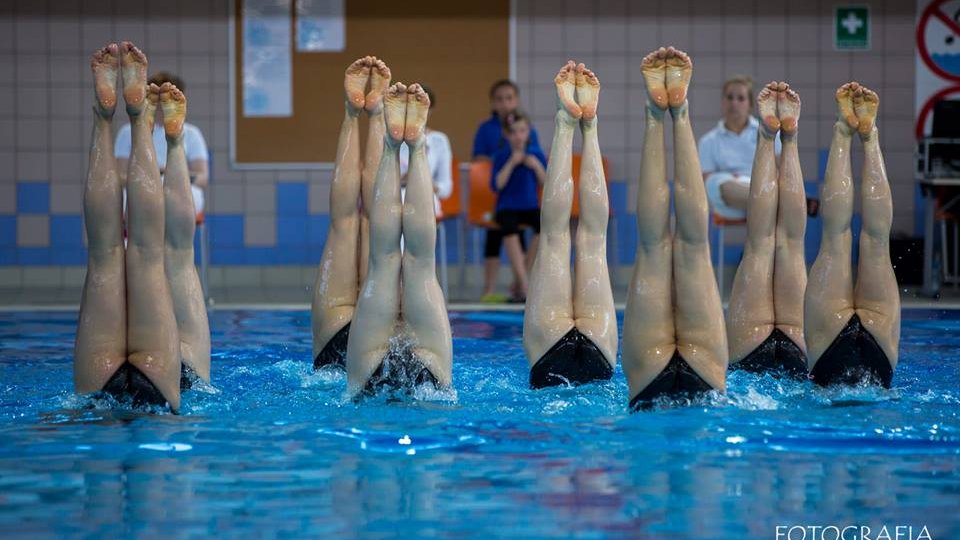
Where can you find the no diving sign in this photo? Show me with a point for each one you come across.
(938, 52)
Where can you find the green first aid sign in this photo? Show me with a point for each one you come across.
(851, 28)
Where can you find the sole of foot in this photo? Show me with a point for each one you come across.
(174, 106)
(395, 111)
(588, 92)
(418, 105)
(566, 82)
(355, 81)
(105, 65)
(679, 70)
(379, 82)
(654, 70)
(845, 104)
(133, 69)
(865, 105)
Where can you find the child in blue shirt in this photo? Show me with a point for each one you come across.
(518, 170)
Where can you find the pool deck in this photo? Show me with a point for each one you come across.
(298, 298)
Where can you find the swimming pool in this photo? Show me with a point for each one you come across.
(276, 448)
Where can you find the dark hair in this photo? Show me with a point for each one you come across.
(430, 94)
(161, 77)
(502, 83)
(513, 118)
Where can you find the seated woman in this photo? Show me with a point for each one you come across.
(401, 297)
(127, 339)
(765, 315)
(518, 171)
(343, 263)
(570, 326)
(853, 331)
(674, 343)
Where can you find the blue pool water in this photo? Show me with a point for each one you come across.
(273, 449)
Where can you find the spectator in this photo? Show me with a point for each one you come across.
(194, 145)
(504, 100)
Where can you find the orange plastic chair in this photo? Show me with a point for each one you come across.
(482, 200)
(577, 159)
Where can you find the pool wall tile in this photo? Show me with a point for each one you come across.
(33, 197)
(280, 217)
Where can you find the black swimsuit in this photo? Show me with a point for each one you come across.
(400, 371)
(128, 382)
(335, 351)
(677, 380)
(853, 357)
(777, 355)
(574, 360)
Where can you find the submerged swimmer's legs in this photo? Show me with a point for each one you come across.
(854, 338)
(424, 307)
(101, 346)
(378, 306)
(180, 219)
(337, 284)
(765, 316)
(570, 331)
(674, 338)
(153, 344)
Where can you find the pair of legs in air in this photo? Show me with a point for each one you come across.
(344, 261)
(142, 316)
(400, 332)
(674, 342)
(570, 325)
(853, 330)
(765, 315)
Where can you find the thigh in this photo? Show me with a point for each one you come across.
(425, 318)
(649, 339)
(698, 317)
(101, 346)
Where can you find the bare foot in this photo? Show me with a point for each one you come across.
(865, 104)
(654, 69)
(355, 81)
(588, 92)
(418, 103)
(133, 64)
(379, 82)
(174, 106)
(788, 109)
(679, 69)
(395, 111)
(566, 86)
(767, 103)
(105, 65)
(153, 99)
(845, 104)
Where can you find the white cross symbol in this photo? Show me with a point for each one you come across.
(852, 23)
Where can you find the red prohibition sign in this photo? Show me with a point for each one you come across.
(928, 106)
(933, 10)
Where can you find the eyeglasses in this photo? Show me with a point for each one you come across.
(736, 97)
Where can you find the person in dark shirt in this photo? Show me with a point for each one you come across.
(504, 100)
(518, 171)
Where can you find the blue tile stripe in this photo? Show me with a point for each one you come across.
(301, 235)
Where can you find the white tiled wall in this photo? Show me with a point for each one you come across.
(45, 85)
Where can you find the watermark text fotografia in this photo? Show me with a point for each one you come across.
(852, 532)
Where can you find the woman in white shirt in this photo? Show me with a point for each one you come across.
(439, 157)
